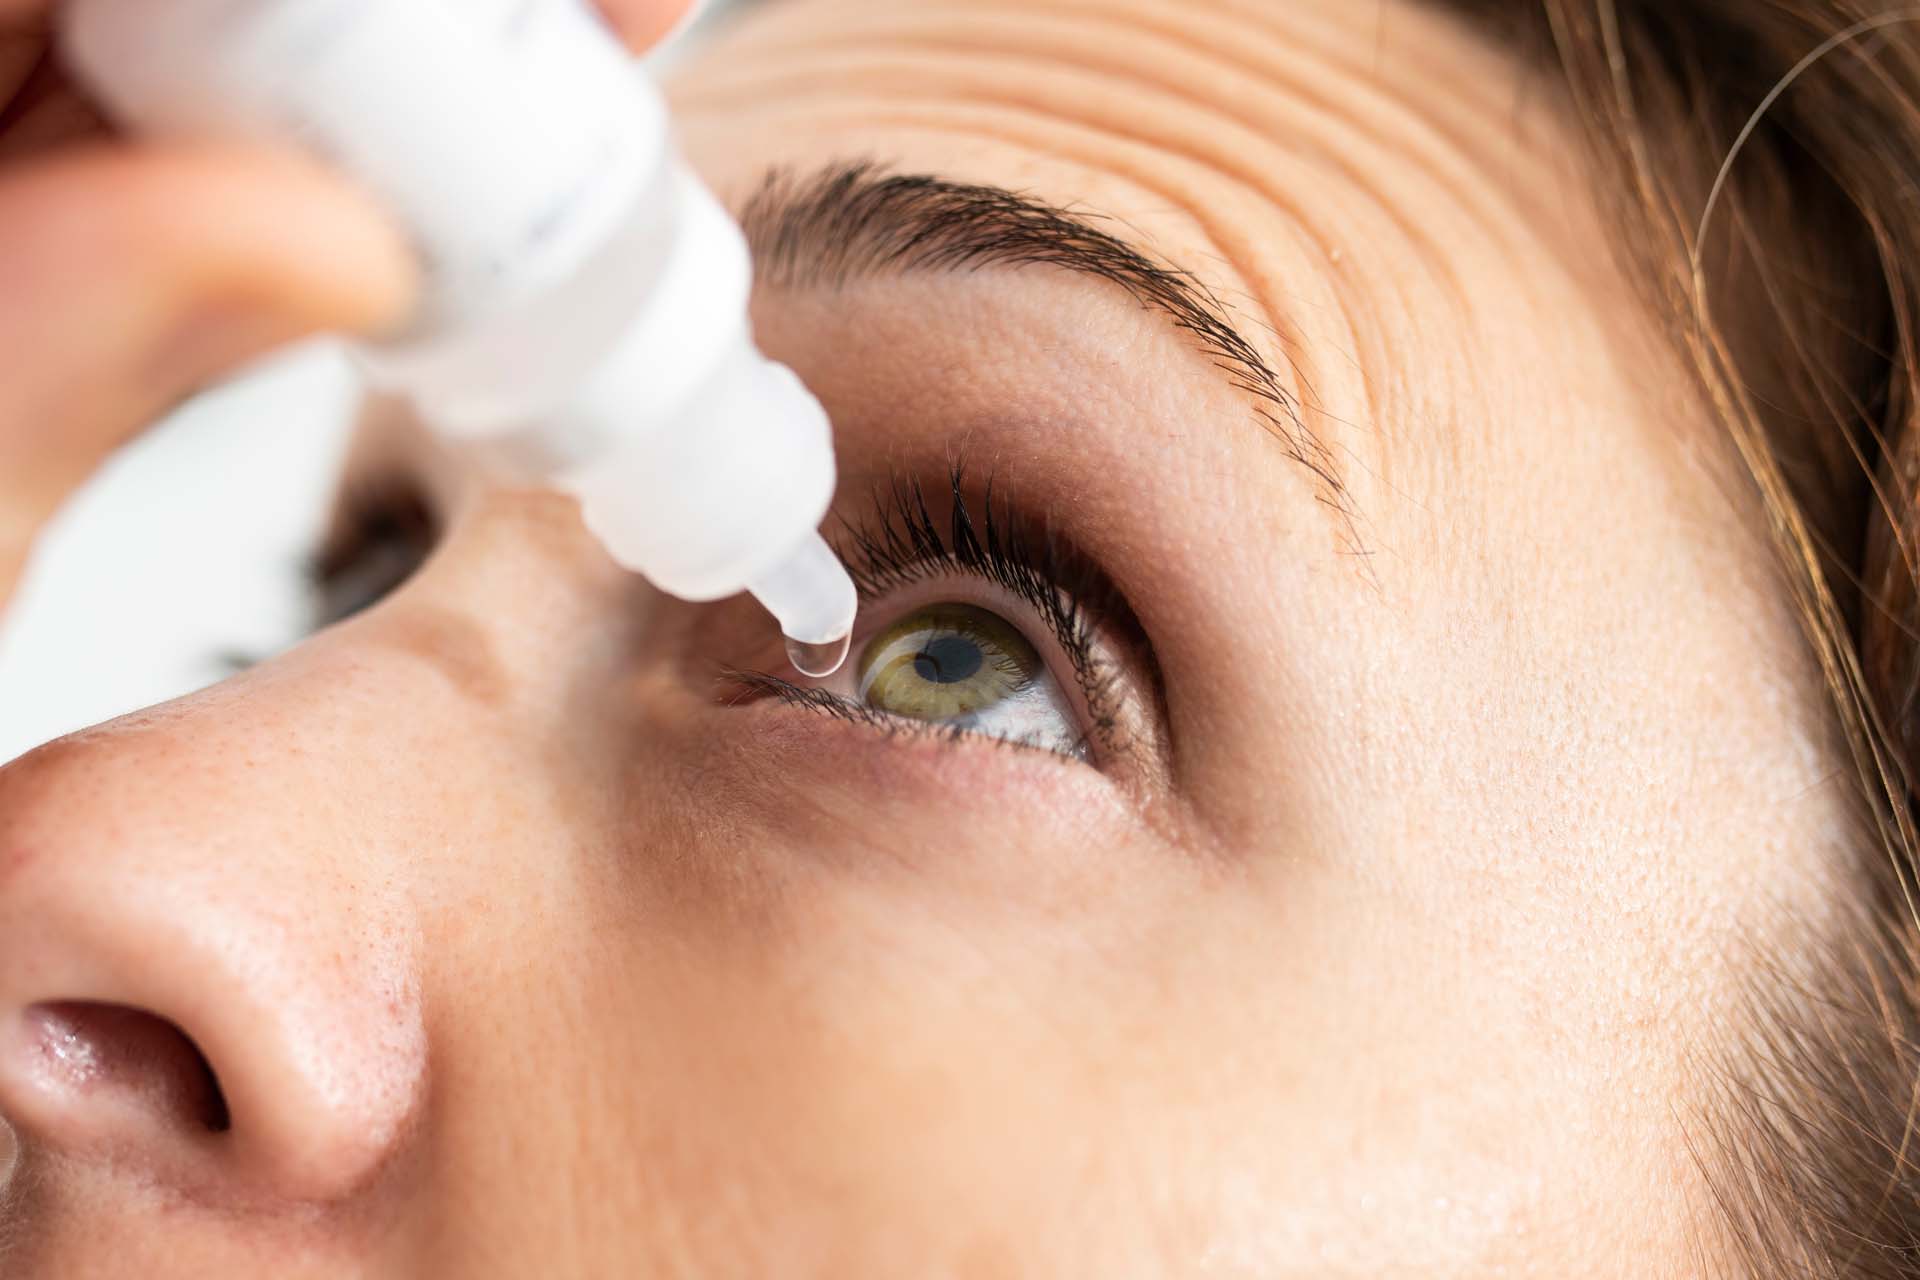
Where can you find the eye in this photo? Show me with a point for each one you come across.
(969, 669)
(982, 622)
(383, 531)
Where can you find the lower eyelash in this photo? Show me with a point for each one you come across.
(756, 684)
(759, 684)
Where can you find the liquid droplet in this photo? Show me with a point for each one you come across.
(818, 660)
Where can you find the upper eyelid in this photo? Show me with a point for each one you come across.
(903, 538)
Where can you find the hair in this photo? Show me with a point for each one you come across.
(1766, 162)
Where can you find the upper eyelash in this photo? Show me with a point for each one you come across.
(902, 543)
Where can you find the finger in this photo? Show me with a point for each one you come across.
(641, 23)
(132, 276)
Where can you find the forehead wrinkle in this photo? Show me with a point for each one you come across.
(1220, 65)
(1234, 155)
(1294, 197)
(1179, 124)
(1203, 62)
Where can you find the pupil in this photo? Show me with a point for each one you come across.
(947, 660)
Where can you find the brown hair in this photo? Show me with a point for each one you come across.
(1768, 154)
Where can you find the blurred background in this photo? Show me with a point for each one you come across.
(187, 550)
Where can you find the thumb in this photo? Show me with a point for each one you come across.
(132, 276)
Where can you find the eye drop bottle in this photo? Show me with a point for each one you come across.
(584, 323)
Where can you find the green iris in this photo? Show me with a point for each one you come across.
(946, 662)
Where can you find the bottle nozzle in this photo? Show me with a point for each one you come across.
(813, 599)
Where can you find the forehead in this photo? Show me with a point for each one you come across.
(1389, 206)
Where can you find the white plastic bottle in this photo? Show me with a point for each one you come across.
(585, 318)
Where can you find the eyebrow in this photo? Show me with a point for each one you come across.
(854, 221)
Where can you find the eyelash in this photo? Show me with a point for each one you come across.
(901, 543)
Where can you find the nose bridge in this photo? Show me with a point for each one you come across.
(179, 864)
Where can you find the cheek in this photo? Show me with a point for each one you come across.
(914, 1062)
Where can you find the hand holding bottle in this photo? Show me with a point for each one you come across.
(132, 273)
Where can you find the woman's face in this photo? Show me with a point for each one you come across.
(1413, 745)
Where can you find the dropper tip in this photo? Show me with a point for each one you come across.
(813, 599)
(818, 660)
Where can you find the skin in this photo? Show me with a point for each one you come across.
(1402, 943)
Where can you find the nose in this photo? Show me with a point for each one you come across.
(189, 997)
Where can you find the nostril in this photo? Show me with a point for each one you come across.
(102, 1051)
